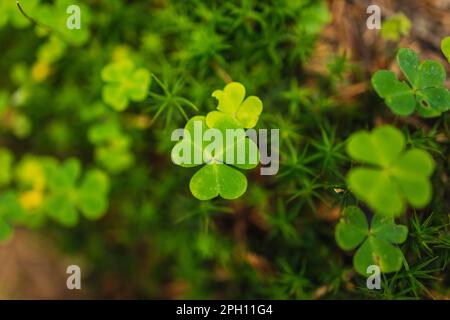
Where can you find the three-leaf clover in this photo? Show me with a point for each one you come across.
(393, 176)
(377, 241)
(445, 46)
(425, 92)
(234, 111)
(124, 82)
(217, 177)
(55, 17)
(67, 194)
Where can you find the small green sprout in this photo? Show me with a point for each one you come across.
(216, 177)
(67, 194)
(395, 27)
(234, 111)
(377, 241)
(445, 47)
(124, 82)
(394, 176)
(425, 93)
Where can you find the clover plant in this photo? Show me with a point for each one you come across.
(424, 92)
(6, 160)
(124, 82)
(376, 243)
(445, 47)
(219, 176)
(11, 14)
(391, 176)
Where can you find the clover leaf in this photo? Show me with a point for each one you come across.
(424, 92)
(124, 82)
(234, 109)
(67, 195)
(377, 241)
(445, 46)
(217, 177)
(392, 176)
(112, 146)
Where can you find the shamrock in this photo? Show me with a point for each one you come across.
(216, 177)
(234, 111)
(425, 92)
(394, 177)
(445, 47)
(6, 160)
(10, 12)
(124, 82)
(377, 242)
(66, 195)
(10, 211)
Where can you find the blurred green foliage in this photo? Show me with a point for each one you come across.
(85, 123)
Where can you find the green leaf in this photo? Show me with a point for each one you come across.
(409, 62)
(352, 228)
(398, 95)
(6, 161)
(124, 82)
(445, 47)
(394, 176)
(380, 147)
(233, 109)
(218, 179)
(386, 229)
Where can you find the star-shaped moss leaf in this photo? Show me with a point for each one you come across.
(377, 241)
(392, 176)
